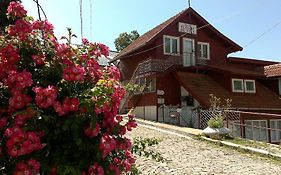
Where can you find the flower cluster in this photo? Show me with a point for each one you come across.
(39, 59)
(20, 80)
(20, 143)
(21, 29)
(107, 144)
(96, 169)
(31, 167)
(19, 100)
(16, 10)
(43, 25)
(74, 73)
(90, 132)
(45, 97)
(9, 54)
(57, 100)
(68, 105)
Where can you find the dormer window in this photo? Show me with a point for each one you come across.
(241, 85)
(237, 85)
(171, 45)
(203, 50)
(250, 86)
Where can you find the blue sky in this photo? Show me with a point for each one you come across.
(240, 20)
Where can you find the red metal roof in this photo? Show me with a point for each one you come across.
(273, 70)
(152, 34)
(201, 85)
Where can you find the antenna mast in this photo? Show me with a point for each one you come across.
(189, 3)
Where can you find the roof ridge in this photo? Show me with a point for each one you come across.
(162, 25)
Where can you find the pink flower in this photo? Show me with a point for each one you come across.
(16, 9)
(9, 54)
(3, 122)
(19, 101)
(20, 80)
(95, 169)
(45, 97)
(92, 132)
(21, 29)
(30, 167)
(38, 59)
(107, 144)
(43, 25)
(119, 118)
(131, 124)
(104, 49)
(74, 73)
(68, 105)
(20, 143)
(93, 69)
(85, 41)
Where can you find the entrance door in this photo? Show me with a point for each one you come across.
(188, 52)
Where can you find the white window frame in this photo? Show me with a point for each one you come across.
(201, 53)
(150, 83)
(236, 79)
(252, 127)
(278, 134)
(245, 87)
(178, 44)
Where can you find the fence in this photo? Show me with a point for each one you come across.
(174, 115)
(250, 125)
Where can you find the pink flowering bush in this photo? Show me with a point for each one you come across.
(58, 107)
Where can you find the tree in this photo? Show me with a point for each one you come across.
(125, 39)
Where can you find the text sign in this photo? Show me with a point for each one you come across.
(187, 28)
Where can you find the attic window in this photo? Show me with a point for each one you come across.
(237, 85)
(171, 45)
(241, 85)
(204, 50)
(250, 86)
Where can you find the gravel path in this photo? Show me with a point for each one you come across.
(188, 156)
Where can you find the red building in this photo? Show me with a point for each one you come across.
(183, 60)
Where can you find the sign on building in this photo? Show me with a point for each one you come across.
(187, 28)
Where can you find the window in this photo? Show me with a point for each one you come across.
(237, 85)
(150, 85)
(203, 50)
(256, 130)
(240, 85)
(171, 45)
(250, 86)
(275, 125)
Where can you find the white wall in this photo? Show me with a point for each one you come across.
(186, 111)
(146, 112)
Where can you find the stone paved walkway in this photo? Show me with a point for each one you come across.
(186, 156)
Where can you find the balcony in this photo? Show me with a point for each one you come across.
(160, 65)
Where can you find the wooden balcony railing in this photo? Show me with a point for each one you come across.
(160, 65)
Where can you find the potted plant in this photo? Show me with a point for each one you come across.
(216, 127)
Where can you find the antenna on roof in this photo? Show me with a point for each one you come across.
(189, 3)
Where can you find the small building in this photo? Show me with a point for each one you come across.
(104, 61)
(185, 59)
